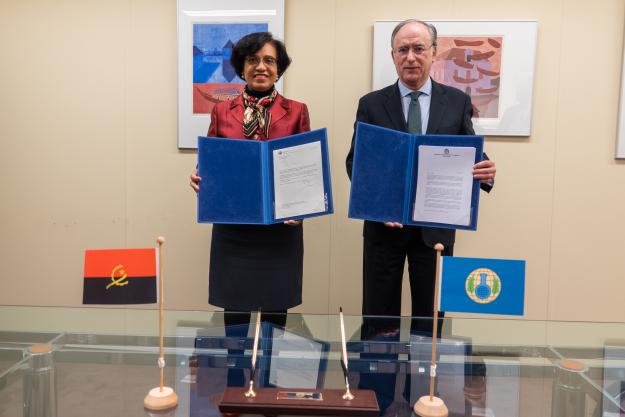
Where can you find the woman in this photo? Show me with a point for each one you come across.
(253, 266)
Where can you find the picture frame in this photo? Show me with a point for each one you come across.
(207, 31)
(493, 61)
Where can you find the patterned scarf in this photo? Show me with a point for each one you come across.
(256, 116)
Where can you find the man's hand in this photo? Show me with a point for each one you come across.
(485, 171)
(293, 222)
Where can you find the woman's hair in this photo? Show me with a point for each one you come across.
(252, 43)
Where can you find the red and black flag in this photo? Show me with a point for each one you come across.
(120, 276)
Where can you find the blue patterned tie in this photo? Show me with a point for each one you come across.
(414, 114)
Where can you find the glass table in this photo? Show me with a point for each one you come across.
(103, 362)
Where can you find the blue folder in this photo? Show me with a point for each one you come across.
(384, 174)
(238, 181)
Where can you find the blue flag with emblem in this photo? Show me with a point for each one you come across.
(486, 286)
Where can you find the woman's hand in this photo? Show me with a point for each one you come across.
(195, 181)
(394, 225)
(293, 222)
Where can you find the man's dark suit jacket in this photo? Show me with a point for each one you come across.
(450, 114)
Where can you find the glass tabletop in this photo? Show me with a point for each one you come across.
(103, 362)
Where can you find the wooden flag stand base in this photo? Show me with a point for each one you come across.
(161, 397)
(160, 400)
(429, 405)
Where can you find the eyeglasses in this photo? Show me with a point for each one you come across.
(254, 61)
(416, 49)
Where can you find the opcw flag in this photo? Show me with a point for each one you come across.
(120, 276)
(487, 286)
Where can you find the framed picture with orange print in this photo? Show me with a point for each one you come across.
(491, 61)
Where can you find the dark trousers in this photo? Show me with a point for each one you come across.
(383, 270)
(236, 324)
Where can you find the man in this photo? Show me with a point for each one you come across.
(414, 104)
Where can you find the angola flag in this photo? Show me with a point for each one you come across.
(120, 276)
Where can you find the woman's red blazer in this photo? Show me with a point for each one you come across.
(288, 117)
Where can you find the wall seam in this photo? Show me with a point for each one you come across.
(549, 308)
(126, 64)
(333, 225)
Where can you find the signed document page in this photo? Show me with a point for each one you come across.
(298, 180)
(444, 185)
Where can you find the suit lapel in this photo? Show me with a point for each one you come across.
(438, 103)
(394, 109)
(236, 108)
(279, 108)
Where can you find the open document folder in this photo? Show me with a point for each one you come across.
(255, 182)
(424, 180)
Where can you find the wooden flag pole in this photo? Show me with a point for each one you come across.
(161, 397)
(429, 405)
(160, 240)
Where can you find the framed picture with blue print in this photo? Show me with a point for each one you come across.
(207, 31)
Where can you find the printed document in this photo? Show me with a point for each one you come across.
(298, 180)
(444, 185)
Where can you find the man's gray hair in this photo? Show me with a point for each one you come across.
(429, 27)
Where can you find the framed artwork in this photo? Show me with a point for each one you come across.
(207, 32)
(492, 61)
